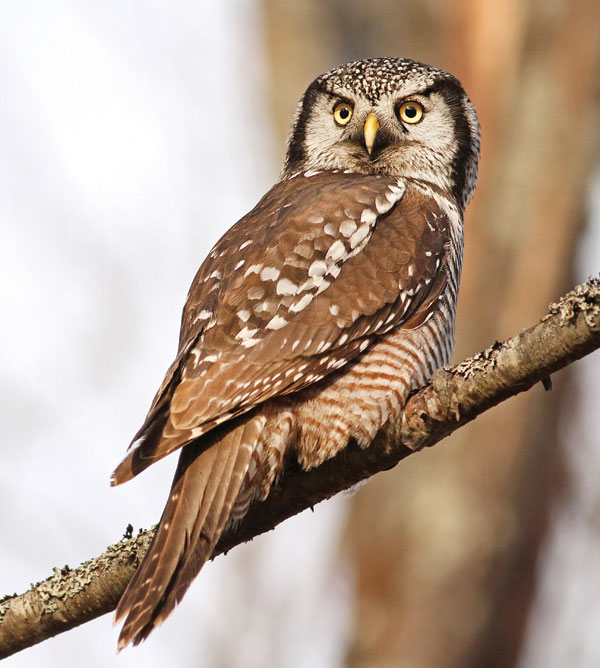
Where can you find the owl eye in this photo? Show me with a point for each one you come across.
(410, 112)
(342, 113)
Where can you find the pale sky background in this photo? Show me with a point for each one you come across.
(132, 135)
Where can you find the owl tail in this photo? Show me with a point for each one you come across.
(206, 485)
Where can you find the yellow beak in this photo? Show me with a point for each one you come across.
(370, 131)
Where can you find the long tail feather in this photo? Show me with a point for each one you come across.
(213, 526)
(206, 485)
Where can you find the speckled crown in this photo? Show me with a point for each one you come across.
(374, 77)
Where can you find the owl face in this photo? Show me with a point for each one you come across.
(393, 117)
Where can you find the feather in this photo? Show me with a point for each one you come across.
(206, 485)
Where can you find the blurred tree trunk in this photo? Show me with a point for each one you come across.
(445, 544)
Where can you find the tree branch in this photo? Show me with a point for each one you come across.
(455, 396)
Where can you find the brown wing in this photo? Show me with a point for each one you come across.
(301, 285)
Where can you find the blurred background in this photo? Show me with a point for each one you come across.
(132, 135)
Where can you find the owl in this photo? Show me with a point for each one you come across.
(315, 315)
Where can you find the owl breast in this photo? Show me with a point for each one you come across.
(314, 424)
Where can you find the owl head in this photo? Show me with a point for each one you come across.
(389, 116)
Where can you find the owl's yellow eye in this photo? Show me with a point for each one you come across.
(342, 113)
(410, 112)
